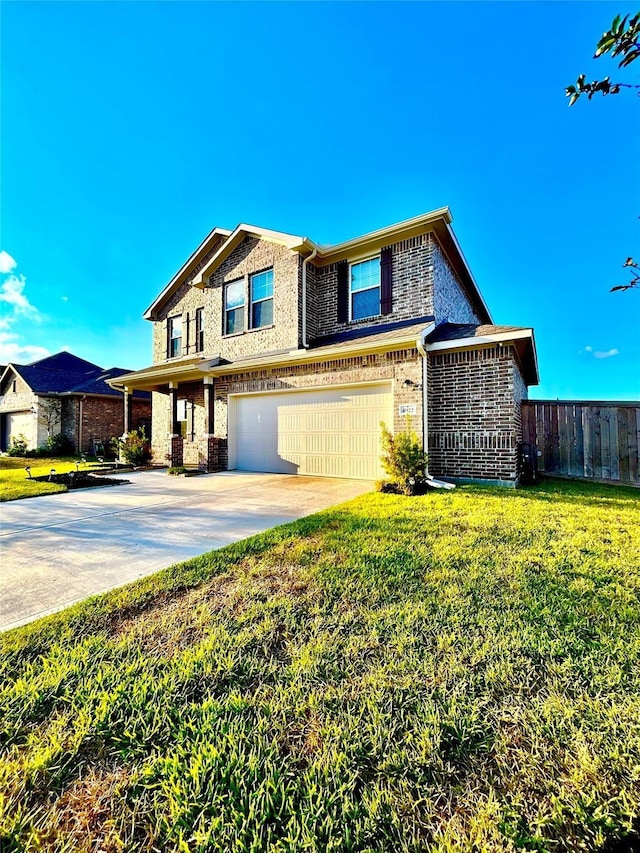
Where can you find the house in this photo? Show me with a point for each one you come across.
(66, 394)
(273, 353)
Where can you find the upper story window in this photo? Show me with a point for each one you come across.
(174, 337)
(234, 307)
(199, 329)
(364, 289)
(261, 292)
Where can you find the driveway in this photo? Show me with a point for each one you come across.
(59, 549)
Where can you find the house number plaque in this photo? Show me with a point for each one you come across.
(407, 409)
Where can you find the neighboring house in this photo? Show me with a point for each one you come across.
(273, 353)
(66, 394)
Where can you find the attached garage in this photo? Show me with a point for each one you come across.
(328, 432)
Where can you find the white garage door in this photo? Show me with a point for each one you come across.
(333, 432)
(17, 423)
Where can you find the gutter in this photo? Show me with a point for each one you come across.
(306, 260)
(421, 344)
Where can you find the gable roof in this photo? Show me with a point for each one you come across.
(291, 241)
(65, 373)
(208, 247)
(209, 256)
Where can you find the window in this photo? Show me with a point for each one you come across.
(365, 289)
(199, 329)
(234, 307)
(181, 417)
(175, 337)
(261, 299)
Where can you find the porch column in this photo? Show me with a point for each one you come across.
(174, 429)
(127, 411)
(208, 405)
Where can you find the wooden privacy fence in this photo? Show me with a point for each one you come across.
(600, 441)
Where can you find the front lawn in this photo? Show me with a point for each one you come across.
(455, 672)
(14, 483)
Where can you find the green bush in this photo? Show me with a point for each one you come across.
(133, 448)
(176, 470)
(18, 445)
(60, 445)
(403, 458)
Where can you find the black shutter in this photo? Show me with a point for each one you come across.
(343, 292)
(386, 288)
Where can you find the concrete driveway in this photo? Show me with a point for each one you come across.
(59, 549)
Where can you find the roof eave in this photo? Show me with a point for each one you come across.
(150, 313)
(291, 241)
(519, 337)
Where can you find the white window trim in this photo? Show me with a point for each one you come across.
(356, 263)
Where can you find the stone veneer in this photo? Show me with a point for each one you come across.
(474, 413)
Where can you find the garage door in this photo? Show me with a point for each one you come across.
(330, 432)
(16, 423)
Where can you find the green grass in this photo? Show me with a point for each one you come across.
(14, 483)
(454, 672)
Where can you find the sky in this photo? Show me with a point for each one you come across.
(130, 129)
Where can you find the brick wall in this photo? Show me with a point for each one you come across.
(103, 418)
(412, 275)
(474, 404)
(450, 300)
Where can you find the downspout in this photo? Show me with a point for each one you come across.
(306, 260)
(421, 344)
(80, 415)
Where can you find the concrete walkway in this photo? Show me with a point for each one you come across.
(59, 549)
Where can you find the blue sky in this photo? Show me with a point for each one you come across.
(129, 130)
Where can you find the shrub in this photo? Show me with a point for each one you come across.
(403, 458)
(60, 445)
(133, 448)
(177, 469)
(18, 445)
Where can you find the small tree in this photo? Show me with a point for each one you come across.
(403, 457)
(50, 414)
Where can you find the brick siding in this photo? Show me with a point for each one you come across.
(474, 403)
(252, 255)
(450, 300)
(103, 418)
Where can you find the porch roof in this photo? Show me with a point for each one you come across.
(379, 339)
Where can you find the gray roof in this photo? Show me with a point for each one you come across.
(456, 331)
(65, 373)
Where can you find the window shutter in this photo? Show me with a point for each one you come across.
(386, 288)
(165, 325)
(343, 292)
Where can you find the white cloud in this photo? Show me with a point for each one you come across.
(12, 350)
(16, 306)
(12, 292)
(7, 263)
(64, 298)
(600, 353)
